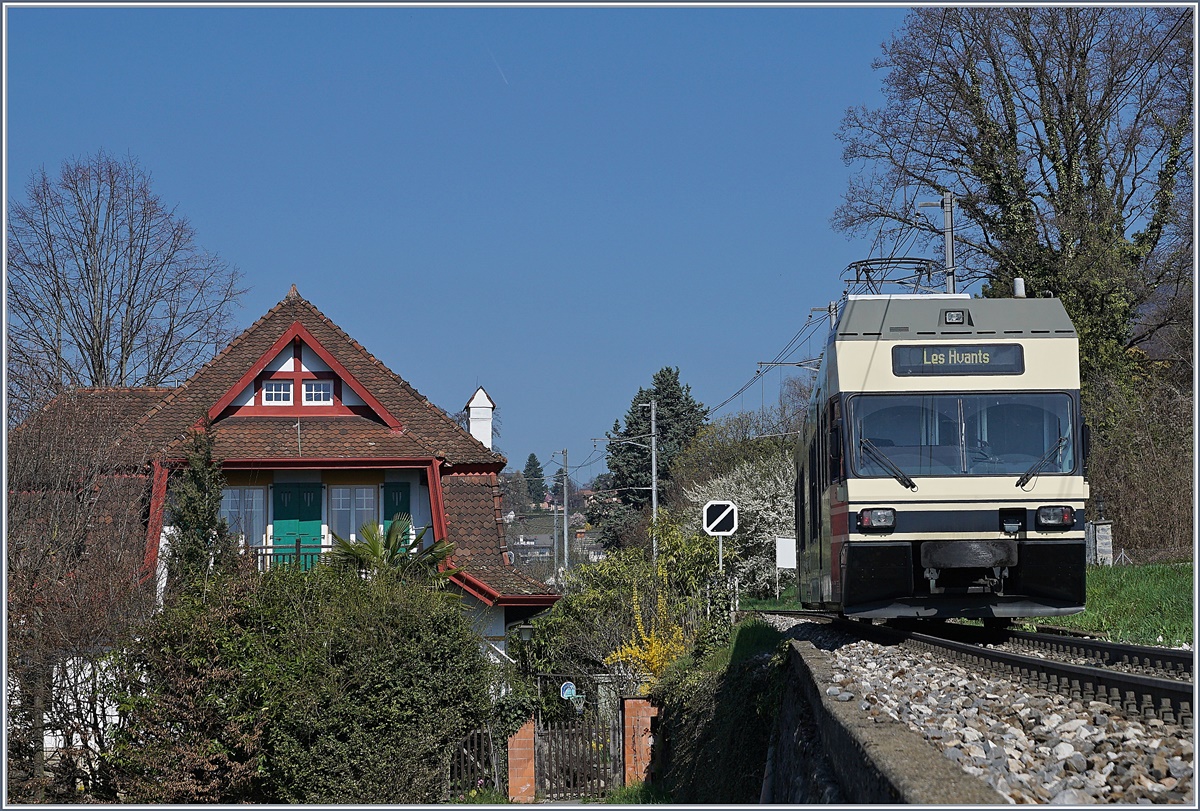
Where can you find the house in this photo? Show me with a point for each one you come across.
(316, 436)
(531, 548)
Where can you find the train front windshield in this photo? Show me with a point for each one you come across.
(961, 434)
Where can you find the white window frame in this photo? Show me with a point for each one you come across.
(285, 388)
(354, 491)
(324, 387)
(261, 540)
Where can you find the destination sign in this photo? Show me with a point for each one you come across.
(958, 359)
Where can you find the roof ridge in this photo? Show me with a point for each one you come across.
(429, 427)
(383, 367)
(180, 389)
(362, 350)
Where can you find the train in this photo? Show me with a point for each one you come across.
(941, 469)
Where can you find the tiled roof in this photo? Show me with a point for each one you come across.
(152, 421)
(317, 437)
(476, 529)
(425, 424)
(97, 418)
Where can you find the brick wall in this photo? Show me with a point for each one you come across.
(521, 779)
(638, 739)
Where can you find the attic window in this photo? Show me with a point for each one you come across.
(277, 392)
(318, 392)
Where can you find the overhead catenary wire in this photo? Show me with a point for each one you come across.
(809, 324)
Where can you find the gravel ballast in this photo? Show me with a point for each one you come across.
(1028, 745)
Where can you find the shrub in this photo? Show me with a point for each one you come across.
(717, 719)
(1142, 466)
(296, 686)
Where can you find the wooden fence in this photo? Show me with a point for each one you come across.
(578, 758)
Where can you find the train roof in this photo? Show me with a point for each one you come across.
(931, 316)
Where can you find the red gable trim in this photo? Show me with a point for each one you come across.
(298, 330)
(488, 595)
(158, 502)
(437, 503)
(475, 587)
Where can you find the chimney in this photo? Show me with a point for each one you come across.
(480, 409)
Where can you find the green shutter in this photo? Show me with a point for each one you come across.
(297, 517)
(397, 498)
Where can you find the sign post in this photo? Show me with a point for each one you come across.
(720, 520)
(785, 558)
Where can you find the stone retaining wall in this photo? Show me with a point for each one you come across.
(873, 762)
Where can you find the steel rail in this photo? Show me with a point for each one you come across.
(1121, 655)
(1167, 699)
(1169, 660)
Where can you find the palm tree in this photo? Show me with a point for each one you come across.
(375, 552)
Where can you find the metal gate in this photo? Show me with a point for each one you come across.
(580, 757)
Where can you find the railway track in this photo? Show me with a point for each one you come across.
(1139, 680)
(1168, 663)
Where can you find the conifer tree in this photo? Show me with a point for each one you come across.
(535, 479)
(679, 417)
(201, 538)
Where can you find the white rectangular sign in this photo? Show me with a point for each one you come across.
(785, 553)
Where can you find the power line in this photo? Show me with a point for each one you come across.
(791, 346)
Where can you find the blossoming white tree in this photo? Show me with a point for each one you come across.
(763, 492)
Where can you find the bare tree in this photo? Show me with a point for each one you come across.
(75, 553)
(1142, 469)
(106, 285)
(1066, 134)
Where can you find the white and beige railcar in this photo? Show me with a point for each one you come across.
(941, 473)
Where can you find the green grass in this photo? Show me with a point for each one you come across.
(1145, 605)
(748, 639)
(1137, 604)
(479, 796)
(637, 794)
(789, 599)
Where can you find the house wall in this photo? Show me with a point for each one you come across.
(487, 620)
(421, 507)
(422, 513)
(310, 361)
(244, 398)
(281, 362)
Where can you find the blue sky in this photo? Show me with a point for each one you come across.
(550, 203)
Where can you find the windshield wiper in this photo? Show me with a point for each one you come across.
(898, 474)
(1041, 463)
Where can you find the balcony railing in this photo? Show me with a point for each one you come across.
(304, 555)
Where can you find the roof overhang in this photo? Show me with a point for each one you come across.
(490, 596)
(323, 463)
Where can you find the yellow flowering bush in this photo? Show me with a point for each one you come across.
(650, 652)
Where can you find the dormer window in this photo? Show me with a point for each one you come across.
(297, 378)
(277, 392)
(318, 392)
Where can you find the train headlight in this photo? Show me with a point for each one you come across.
(1055, 517)
(876, 519)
